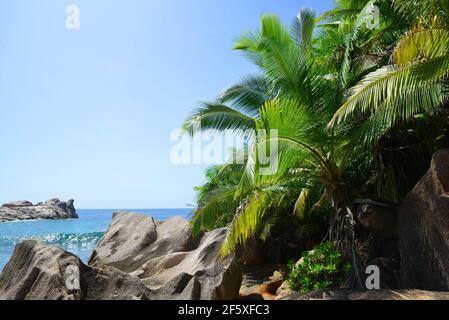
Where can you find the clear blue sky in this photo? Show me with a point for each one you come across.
(87, 114)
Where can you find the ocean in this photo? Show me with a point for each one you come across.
(78, 236)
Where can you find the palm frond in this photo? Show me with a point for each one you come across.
(219, 117)
(301, 204)
(421, 45)
(251, 213)
(248, 95)
(390, 83)
(303, 27)
(205, 217)
(427, 12)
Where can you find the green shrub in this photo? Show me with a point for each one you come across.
(218, 179)
(322, 268)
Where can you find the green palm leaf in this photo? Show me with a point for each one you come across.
(304, 27)
(205, 217)
(248, 95)
(211, 116)
(390, 84)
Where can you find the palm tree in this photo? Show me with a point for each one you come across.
(297, 95)
(235, 109)
(337, 99)
(414, 81)
(394, 105)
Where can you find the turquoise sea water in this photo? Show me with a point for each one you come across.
(78, 236)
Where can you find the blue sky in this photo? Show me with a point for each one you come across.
(88, 114)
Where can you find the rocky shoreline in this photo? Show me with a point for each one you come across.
(53, 209)
(138, 258)
(412, 256)
(141, 258)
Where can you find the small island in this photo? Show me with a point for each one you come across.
(53, 209)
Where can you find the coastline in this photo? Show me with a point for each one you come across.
(70, 234)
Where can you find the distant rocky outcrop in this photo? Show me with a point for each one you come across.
(423, 229)
(138, 258)
(53, 209)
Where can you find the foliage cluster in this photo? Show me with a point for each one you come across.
(323, 267)
(359, 112)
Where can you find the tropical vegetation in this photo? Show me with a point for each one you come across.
(323, 267)
(355, 98)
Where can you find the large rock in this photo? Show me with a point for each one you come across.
(284, 291)
(24, 210)
(343, 294)
(261, 283)
(423, 230)
(40, 272)
(170, 262)
(199, 274)
(378, 217)
(137, 258)
(133, 239)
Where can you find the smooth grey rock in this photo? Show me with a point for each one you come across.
(423, 234)
(133, 239)
(24, 210)
(40, 272)
(137, 258)
(170, 262)
(18, 204)
(198, 274)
